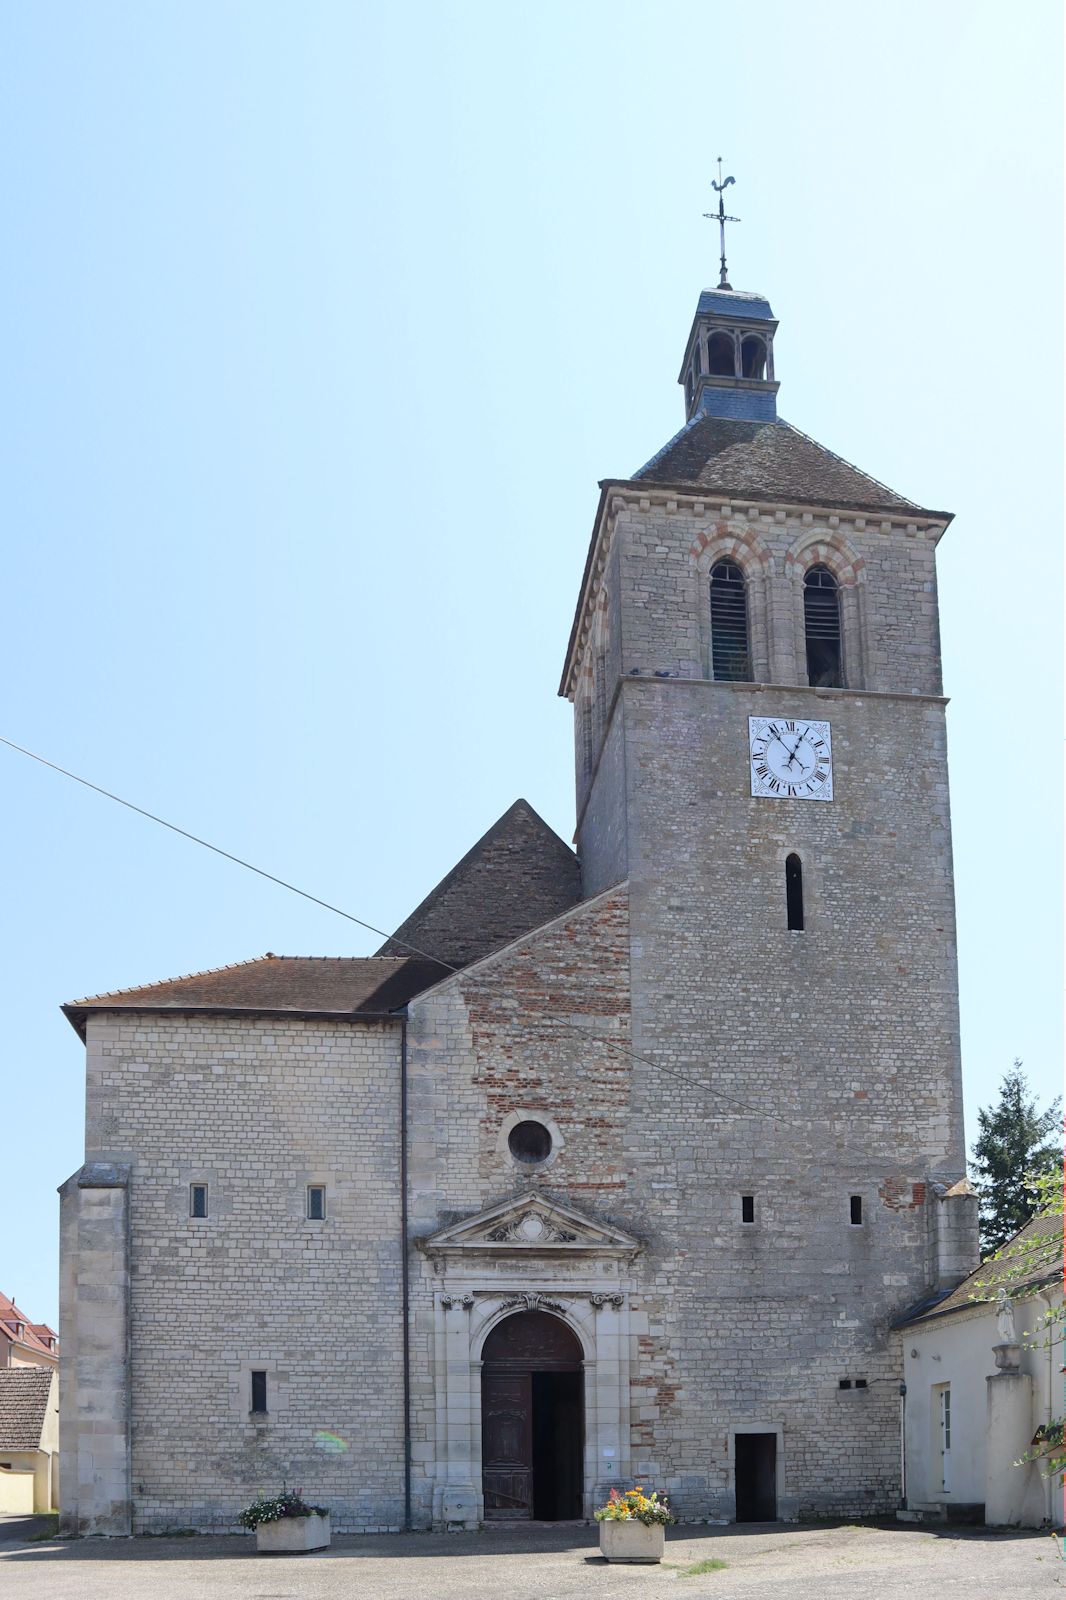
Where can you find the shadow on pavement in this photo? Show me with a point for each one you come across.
(487, 1541)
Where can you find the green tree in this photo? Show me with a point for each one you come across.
(1014, 1147)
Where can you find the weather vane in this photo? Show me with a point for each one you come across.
(720, 217)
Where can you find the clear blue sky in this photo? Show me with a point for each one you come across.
(321, 322)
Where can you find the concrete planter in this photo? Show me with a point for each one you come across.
(632, 1541)
(292, 1534)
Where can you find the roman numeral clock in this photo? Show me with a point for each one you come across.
(790, 759)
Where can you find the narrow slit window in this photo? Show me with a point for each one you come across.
(821, 623)
(747, 1208)
(729, 624)
(198, 1199)
(856, 1210)
(794, 893)
(316, 1202)
(259, 1392)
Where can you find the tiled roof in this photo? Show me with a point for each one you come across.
(278, 986)
(1032, 1257)
(766, 461)
(24, 1396)
(518, 876)
(35, 1335)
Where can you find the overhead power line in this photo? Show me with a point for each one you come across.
(738, 1106)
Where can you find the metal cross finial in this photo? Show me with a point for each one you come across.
(720, 217)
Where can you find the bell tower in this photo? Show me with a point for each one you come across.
(761, 754)
(728, 370)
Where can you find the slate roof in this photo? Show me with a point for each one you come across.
(739, 303)
(518, 876)
(342, 986)
(742, 459)
(24, 1396)
(1034, 1258)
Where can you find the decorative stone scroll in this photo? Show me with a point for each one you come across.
(531, 1228)
(533, 1302)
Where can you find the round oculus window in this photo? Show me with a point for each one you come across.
(529, 1142)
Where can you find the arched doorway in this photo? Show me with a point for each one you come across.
(532, 1412)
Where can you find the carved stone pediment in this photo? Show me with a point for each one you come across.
(529, 1224)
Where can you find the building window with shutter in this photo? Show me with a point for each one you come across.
(729, 624)
(821, 626)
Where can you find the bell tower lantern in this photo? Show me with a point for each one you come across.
(728, 370)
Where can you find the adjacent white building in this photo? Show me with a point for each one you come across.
(982, 1375)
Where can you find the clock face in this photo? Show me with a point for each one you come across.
(790, 759)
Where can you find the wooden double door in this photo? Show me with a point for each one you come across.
(532, 1420)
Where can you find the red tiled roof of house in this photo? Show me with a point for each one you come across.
(34, 1336)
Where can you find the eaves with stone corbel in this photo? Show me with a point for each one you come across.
(619, 496)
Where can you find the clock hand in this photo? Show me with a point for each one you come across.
(795, 747)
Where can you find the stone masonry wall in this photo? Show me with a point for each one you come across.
(258, 1109)
(528, 1029)
(797, 1067)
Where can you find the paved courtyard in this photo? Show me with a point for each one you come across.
(808, 1562)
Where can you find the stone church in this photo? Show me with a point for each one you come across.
(612, 1164)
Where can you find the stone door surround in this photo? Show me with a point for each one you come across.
(528, 1254)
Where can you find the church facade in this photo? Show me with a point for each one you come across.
(610, 1165)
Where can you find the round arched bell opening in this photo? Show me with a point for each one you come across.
(752, 356)
(532, 1419)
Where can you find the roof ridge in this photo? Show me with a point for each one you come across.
(209, 972)
(435, 894)
(688, 426)
(783, 422)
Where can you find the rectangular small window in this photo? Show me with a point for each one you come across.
(259, 1391)
(747, 1208)
(845, 1383)
(316, 1202)
(860, 1383)
(856, 1210)
(198, 1199)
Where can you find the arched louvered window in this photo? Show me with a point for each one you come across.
(729, 624)
(821, 623)
(794, 892)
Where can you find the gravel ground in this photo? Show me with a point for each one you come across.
(805, 1562)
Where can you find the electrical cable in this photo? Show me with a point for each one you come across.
(739, 1107)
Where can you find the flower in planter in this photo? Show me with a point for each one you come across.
(290, 1503)
(636, 1506)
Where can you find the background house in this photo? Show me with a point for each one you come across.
(24, 1343)
(29, 1440)
(980, 1380)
